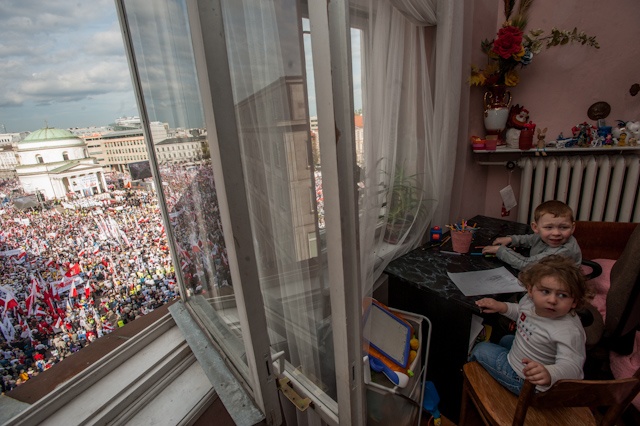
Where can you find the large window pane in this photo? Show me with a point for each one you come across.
(265, 47)
(165, 60)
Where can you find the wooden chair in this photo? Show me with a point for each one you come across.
(567, 402)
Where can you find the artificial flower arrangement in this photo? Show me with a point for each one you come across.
(513, 48)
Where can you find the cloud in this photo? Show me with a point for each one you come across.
(57, 52)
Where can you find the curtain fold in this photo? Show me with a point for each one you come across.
(410, 132)
(420, 12)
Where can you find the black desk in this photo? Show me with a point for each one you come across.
(418, 282)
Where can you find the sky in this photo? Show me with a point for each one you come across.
(62, 64)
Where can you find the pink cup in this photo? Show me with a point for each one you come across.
(461, 241)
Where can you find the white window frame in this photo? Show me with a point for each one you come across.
(334, 89)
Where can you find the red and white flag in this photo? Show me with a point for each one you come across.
(30, 301)
(59, 323)
(184, 264)
(7, 299)
(22, 256)
(87, 290)
(107, 327)
(38, 311)
(54, 291)
(73, 270)
(74, 291)
(7, 329)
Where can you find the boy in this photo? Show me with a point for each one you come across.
(549, 343)
(553, 228)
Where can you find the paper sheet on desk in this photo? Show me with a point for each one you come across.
(490, 281)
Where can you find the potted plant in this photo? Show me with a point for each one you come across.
(405, 203)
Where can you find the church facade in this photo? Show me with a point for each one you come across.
(55, 163)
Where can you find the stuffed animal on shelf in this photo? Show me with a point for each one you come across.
(541, 145)
(518, 117)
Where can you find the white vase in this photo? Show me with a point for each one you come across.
(495, 119)
(497, 100)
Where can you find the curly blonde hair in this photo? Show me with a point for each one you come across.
(564, 270)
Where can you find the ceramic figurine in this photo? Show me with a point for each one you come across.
(616, 131)
(622, 141)
(541, 143)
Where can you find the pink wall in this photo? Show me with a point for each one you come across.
(557, 87)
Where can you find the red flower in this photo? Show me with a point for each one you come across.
(508, 42)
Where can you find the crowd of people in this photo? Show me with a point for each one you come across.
(73, 272)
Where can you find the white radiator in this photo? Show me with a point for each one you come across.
(602, 188)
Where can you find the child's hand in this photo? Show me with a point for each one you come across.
(502, 241)
(490, 249)
(536, 373)
(490, 306)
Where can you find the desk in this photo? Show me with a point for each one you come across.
(418, 282)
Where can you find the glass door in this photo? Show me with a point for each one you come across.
(264, 258)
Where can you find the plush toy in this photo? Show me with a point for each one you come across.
(633, 129)
(541, 143)
(518, 117)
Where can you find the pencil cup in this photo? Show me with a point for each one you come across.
(461, 241)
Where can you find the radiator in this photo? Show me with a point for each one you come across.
(602, 188)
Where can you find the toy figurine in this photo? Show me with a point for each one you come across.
(608, 140)
(541, 143)
(619, 129)
(622, 141)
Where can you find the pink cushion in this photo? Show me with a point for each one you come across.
(601, 286)
(622, 366)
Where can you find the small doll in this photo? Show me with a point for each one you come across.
(541, 143)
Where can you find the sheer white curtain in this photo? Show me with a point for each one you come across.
(264, 48)
(410, 131)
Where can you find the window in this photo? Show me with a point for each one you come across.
(280, 260)
(39, 159)
(65, 156)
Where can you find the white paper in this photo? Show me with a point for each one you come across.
(490, 281)
(508, 197)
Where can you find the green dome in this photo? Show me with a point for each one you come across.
(49, 134)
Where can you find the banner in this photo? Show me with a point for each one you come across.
(64, 285)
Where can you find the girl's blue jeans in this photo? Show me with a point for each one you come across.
(494, 359)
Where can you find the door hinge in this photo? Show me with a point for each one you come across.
(301, 403)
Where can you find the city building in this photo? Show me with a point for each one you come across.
(8, 156)
(120, 148)
(55, 163)
(186, 149)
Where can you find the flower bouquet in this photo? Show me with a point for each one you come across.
(513, 49)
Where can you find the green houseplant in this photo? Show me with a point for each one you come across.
(405, 203)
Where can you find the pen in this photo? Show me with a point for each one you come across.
(481, 254)
(450, 252)
(445, 240)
